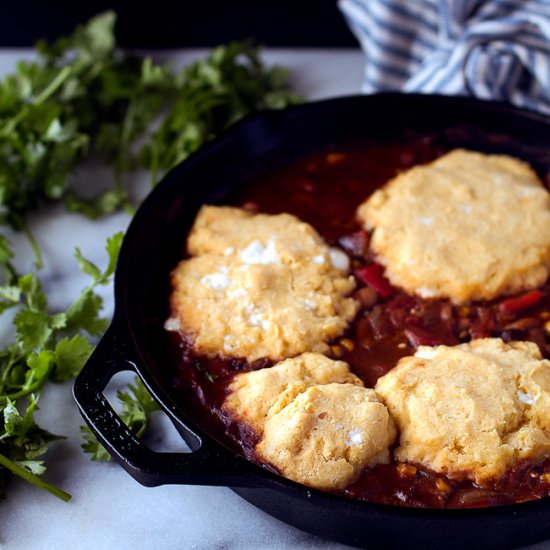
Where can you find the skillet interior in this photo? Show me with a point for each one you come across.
(156, 239)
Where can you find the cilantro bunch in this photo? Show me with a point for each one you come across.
(82, 96)
(47, 346)
(79, 98)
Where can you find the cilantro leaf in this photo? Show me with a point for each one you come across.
(85, 314)
(9, 297)
(70, 356)
(36, 467)
(92, 446)
(137, 408)
(11, 418)
(33, 329)
(87, 267)
(106, 202)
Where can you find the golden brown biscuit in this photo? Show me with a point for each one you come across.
(227, 230)
(260, 286)
(255, 396)
(467, 226)
(327, 435)
(473, 410)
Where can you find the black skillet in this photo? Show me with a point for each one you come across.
(154, 244)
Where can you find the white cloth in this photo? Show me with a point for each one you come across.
(491, 49)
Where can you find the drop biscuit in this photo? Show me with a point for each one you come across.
(259, 286)
(253, 397)
(470, 411)
(327, 435)
(467, 226)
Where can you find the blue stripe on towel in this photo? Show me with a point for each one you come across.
(487, 48)
(378, 42)
(408, 31)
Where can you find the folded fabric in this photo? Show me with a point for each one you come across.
(491, 49)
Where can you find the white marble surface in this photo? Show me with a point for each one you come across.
(109, 509)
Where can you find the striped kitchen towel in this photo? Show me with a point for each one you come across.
(491, 49)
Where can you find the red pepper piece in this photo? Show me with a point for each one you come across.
(521, 302)
(373, 275)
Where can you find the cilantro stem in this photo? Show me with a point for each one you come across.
(39, 263)
(30, 386)
(128, 208)
(121, 164)
(44, 95)
(32, 478)
(14, 121)
(52, 87)
(23, 392)
(7, 369)
(125, 134)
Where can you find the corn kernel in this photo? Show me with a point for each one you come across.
(442, 485)
(547, 327)
(406, 470)
(337, 351)
(546, 477)
(334, 158)
(347, 344)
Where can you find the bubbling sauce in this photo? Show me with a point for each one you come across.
(325, 189)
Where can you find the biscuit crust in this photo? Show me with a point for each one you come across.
(256, 396)
(327, 435)
(260, 286)
(467, 226)
(470, 411)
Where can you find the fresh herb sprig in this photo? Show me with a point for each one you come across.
(49, 111)
(83, 97)
(137, 407)
(47, 347)
(212, 94)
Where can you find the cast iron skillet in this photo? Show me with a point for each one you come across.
(153, 245)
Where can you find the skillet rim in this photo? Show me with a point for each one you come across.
(184, 421)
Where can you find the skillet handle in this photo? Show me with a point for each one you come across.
(210, 464)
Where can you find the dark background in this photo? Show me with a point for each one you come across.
(164, 24)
